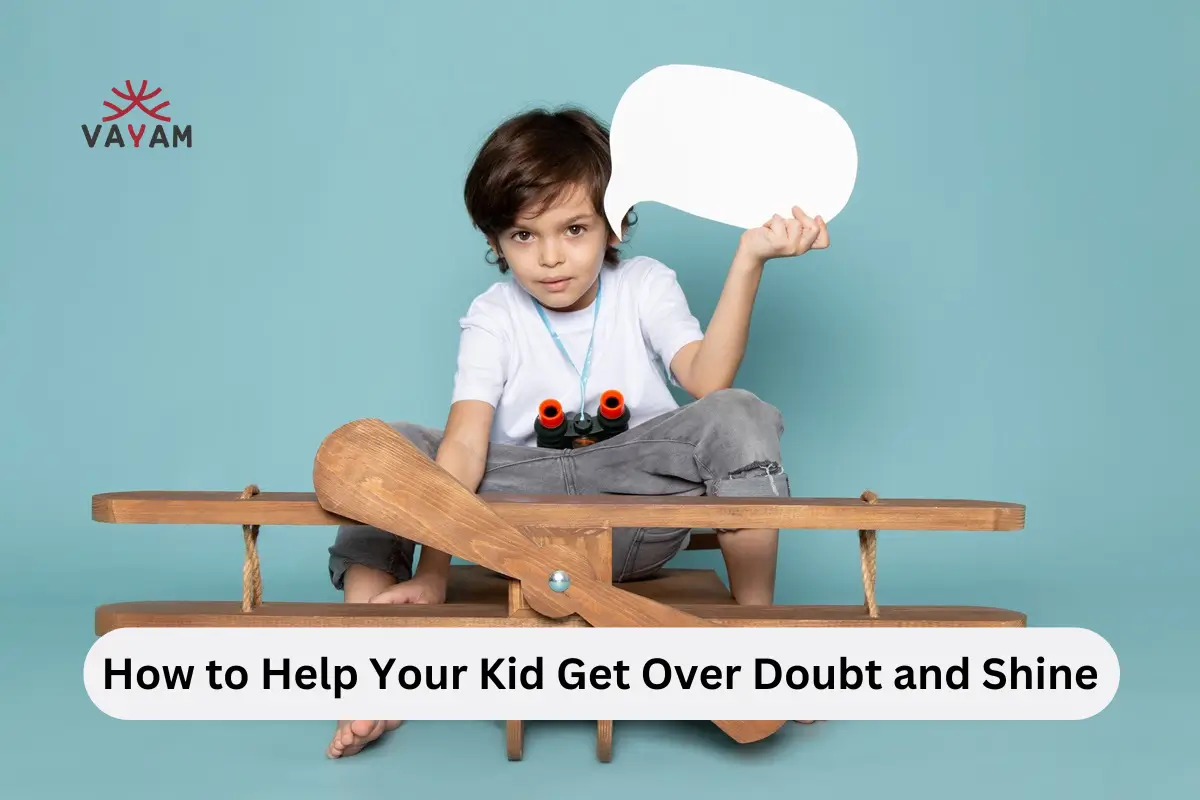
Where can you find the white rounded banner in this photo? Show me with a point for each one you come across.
(601, 673)
(727, 146)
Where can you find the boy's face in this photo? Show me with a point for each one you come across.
(557, 254)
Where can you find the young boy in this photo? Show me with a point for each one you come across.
(577, 320)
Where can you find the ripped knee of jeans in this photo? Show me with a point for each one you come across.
(757, 479)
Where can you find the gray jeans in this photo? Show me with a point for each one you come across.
(725, 444)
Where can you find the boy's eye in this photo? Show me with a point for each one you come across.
(519, 234)
(576, 229)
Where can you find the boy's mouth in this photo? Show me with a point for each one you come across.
(556, 284)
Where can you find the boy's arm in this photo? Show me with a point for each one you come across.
(462, 453)
(712, 363)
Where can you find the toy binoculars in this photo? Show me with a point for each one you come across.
(557, 432)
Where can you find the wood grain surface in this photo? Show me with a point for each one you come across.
(787, 513)
(367, 471)
(229, 614)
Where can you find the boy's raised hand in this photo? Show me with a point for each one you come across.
(779, 237)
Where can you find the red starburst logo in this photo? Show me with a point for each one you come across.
(136, 101)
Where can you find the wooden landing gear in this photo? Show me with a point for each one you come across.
(514, 731)
(604, 731)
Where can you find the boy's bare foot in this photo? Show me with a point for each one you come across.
(353, 735)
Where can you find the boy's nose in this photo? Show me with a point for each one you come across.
(551, 256)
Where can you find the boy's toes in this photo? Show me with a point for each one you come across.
(360, 733)
(350, 737)
(335, 744)
(353, 736)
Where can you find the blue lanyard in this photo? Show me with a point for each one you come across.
(587, 362)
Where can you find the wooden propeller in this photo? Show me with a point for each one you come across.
(368, 472)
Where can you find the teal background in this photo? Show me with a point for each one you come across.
(1006, 313)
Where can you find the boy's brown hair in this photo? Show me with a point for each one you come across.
(530, 161)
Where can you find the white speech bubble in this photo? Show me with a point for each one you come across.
(727, 146)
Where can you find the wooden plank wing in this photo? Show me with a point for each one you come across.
(787, 513)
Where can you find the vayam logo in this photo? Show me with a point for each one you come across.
(116, 136)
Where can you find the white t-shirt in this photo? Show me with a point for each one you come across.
(507, 357)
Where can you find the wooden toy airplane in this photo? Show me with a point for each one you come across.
(535, 560)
